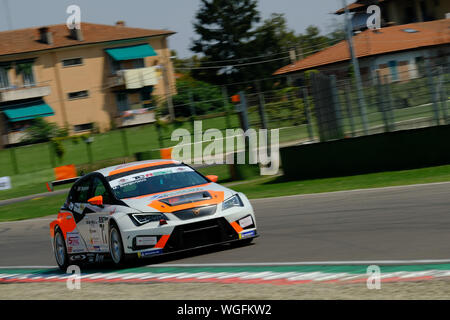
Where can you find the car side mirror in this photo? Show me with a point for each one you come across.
(213, 178)
(96, 201)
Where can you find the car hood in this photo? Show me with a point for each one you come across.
(160, 202)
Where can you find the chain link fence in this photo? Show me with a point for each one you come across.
(323, 108)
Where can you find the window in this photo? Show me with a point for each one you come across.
(114, 65)
(138, 63)
(99, 189)
(420, 66)
(81, 192)
(72, 62)
(78, 94)
(410, 15)
(148, 181)
(83, 127)
(122, 101)
(25, 69)
(394, 70)
(146, 95)
(4, 81)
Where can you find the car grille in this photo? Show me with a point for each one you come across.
(200, 234)
(195, 212)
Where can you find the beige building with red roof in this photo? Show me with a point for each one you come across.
(97, 76)
(397, 51)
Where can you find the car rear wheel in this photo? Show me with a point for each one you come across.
(60, 250)
(116, 246)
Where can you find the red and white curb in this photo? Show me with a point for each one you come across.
(266, 277)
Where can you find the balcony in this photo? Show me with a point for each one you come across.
(135, 115)
(135, 78)
(24, 92)
(13, 137)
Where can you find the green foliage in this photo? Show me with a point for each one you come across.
(225, 29)
(230, 37)
(206, 98)
(289, 110)
(308, 76)
(58, 147)
(42, 130)
(312, 41)
(24, 68)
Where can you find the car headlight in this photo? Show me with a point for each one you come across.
(234, 201)
(143, 218)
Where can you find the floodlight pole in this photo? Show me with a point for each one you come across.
(361, 100)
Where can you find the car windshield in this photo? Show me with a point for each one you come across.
(154, 181)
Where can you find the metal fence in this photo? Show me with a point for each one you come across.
(323, 108)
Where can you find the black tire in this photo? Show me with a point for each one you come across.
(60, 250)
(116, 246)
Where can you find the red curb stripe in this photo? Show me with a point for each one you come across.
(234, 280)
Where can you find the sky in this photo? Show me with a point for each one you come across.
(175, 15)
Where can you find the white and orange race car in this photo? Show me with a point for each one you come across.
(144, 209)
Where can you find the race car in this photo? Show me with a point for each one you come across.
(145, 209)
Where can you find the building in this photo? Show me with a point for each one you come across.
(398, 11)
(97, 76)
(398, 52)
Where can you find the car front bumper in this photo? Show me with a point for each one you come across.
(189, 234)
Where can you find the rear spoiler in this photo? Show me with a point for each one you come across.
(50, 185)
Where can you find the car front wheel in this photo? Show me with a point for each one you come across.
(116, 246)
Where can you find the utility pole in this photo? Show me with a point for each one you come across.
(361, 101)
(165, 69)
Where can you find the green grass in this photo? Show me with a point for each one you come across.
(29, 183)
(277, 187)
(222, 171)
(261, 188)
(39, 207)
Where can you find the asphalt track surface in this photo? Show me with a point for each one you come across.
(397, 223)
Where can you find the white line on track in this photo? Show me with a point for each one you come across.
(301, 263)
(269, 264)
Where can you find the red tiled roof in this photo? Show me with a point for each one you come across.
(27, 40)
(385, 40)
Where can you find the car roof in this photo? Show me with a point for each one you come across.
(121, 168)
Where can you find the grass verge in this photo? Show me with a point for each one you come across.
(278, 187)
(35, 208)
(263, 188)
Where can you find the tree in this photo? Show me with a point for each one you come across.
(195, 98)
(225, 27)
(273, 39)
(336, 31)
(41, 131)
(184, 66)
(312, 41)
